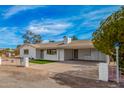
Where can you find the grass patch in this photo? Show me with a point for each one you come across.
(40, 61)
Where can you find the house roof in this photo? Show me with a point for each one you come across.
(78, 44)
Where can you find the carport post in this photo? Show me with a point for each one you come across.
(0, 60)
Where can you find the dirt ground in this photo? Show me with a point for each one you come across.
(20, 77)
(53, 75)
(83, 69)
(69, 78)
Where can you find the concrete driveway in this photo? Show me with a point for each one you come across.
(80, 68)
(85, 69)
(57, 75)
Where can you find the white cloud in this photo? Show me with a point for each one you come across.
(8, 36)
(16, 9)
(53, 27)
(99, 13)
(2, 29)
(45, 41)
(94, 15)
(93, 18)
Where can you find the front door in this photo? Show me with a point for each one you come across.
(41, 53)
(75, 53)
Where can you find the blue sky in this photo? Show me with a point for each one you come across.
(51, 22)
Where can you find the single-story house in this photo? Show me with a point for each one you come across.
(61, 51)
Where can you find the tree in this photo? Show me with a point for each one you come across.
(36, 39)
(18, 46)
(16, 52)
(51, 41)
(74, 38)
(1, 52)
(8, 50)
(111, 31)
(31, 38)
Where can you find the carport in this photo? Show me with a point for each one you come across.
(84, 54)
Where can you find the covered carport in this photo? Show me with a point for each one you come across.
(87, 54)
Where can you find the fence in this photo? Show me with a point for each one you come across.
(15, 61)
(112, 74)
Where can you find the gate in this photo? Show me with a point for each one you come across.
(112, 74)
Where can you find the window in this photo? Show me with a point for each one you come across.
(51, 51)
(88, 52)
(26, 51)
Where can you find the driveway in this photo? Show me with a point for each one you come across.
(80, 68)
(75, 74)
(86, 69)
(56, 75)
(14, 76)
